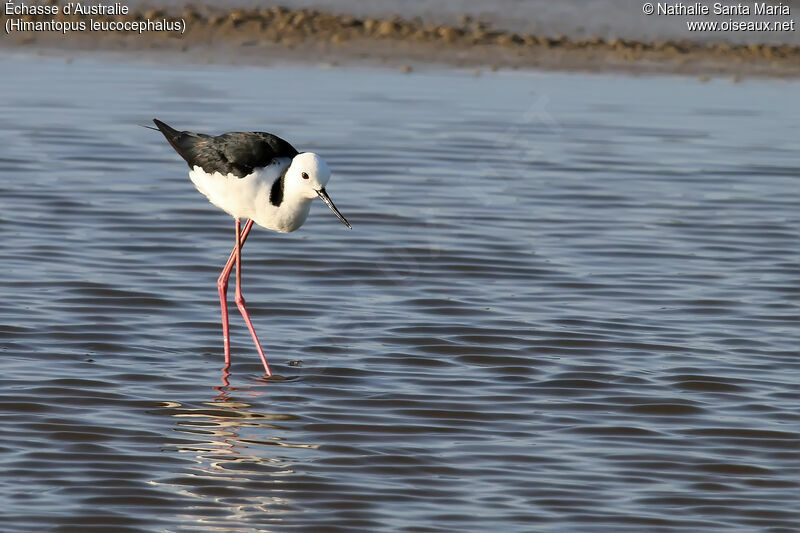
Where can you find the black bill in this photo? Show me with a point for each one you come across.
(327, 199)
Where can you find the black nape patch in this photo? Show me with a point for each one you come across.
(276, 193)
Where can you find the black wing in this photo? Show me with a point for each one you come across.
(236, 153)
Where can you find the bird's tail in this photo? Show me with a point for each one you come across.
(185, 143)
(168, 131)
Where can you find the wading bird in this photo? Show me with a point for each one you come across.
(257, 176)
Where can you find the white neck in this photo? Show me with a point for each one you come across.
(289, 216)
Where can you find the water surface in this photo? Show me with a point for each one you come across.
(568, 303)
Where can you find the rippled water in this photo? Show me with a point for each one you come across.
(568, 303)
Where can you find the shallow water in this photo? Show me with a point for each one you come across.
(568, 303)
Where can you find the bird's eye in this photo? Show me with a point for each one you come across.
(305, 176)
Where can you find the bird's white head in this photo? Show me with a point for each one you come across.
(307, 176)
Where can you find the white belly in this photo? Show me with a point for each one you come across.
(239, 197)
(249, 197)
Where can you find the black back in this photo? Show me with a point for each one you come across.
(236, 153)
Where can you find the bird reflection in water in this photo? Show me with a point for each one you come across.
(240, 460)
(226, 385)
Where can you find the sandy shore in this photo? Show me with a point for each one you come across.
(264, 36)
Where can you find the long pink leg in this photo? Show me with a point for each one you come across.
(240, 299)
(222, 286)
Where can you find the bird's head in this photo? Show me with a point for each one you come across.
(307, 176)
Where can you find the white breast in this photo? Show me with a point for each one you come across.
(249, 197)
(239, 197)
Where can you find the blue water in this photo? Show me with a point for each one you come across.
(569, 303)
